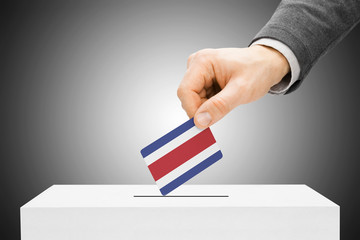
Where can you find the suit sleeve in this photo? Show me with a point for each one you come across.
(310, 28)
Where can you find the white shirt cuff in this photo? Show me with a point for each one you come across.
(287, 81)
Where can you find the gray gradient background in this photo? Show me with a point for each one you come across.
(86, 85)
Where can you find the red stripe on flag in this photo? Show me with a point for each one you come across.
(181, 154)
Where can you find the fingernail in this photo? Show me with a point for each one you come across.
(204, 119)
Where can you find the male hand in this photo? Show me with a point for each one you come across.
(218, 80)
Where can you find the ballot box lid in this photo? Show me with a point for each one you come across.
(67, 196)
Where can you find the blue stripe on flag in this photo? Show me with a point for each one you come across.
(191, 173)
(167, 138)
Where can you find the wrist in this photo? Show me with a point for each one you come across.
(277, 62)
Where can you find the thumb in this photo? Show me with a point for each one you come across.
(217, 106)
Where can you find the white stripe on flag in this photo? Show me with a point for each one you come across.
(177, 172)
(172, 145)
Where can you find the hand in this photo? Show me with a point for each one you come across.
(218, 80)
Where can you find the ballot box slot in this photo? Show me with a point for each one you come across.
(182, 196)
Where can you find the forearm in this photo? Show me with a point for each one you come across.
(311, 28)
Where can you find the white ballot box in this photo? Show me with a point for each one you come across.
(249, 212)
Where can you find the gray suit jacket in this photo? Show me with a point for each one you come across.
(310, 28)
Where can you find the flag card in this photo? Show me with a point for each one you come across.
(180, 155)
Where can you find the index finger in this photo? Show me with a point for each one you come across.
(190, 89)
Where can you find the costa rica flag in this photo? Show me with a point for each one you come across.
(180, 155)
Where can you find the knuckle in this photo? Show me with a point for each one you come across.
(206, 51)
(189, 59)
(180, 92)
(203, 52)
(221, 105)
(191, 56)
(203, 56)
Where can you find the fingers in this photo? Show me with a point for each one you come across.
(217, 106)
(198, 76)
(242, 75)
(190, 100)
